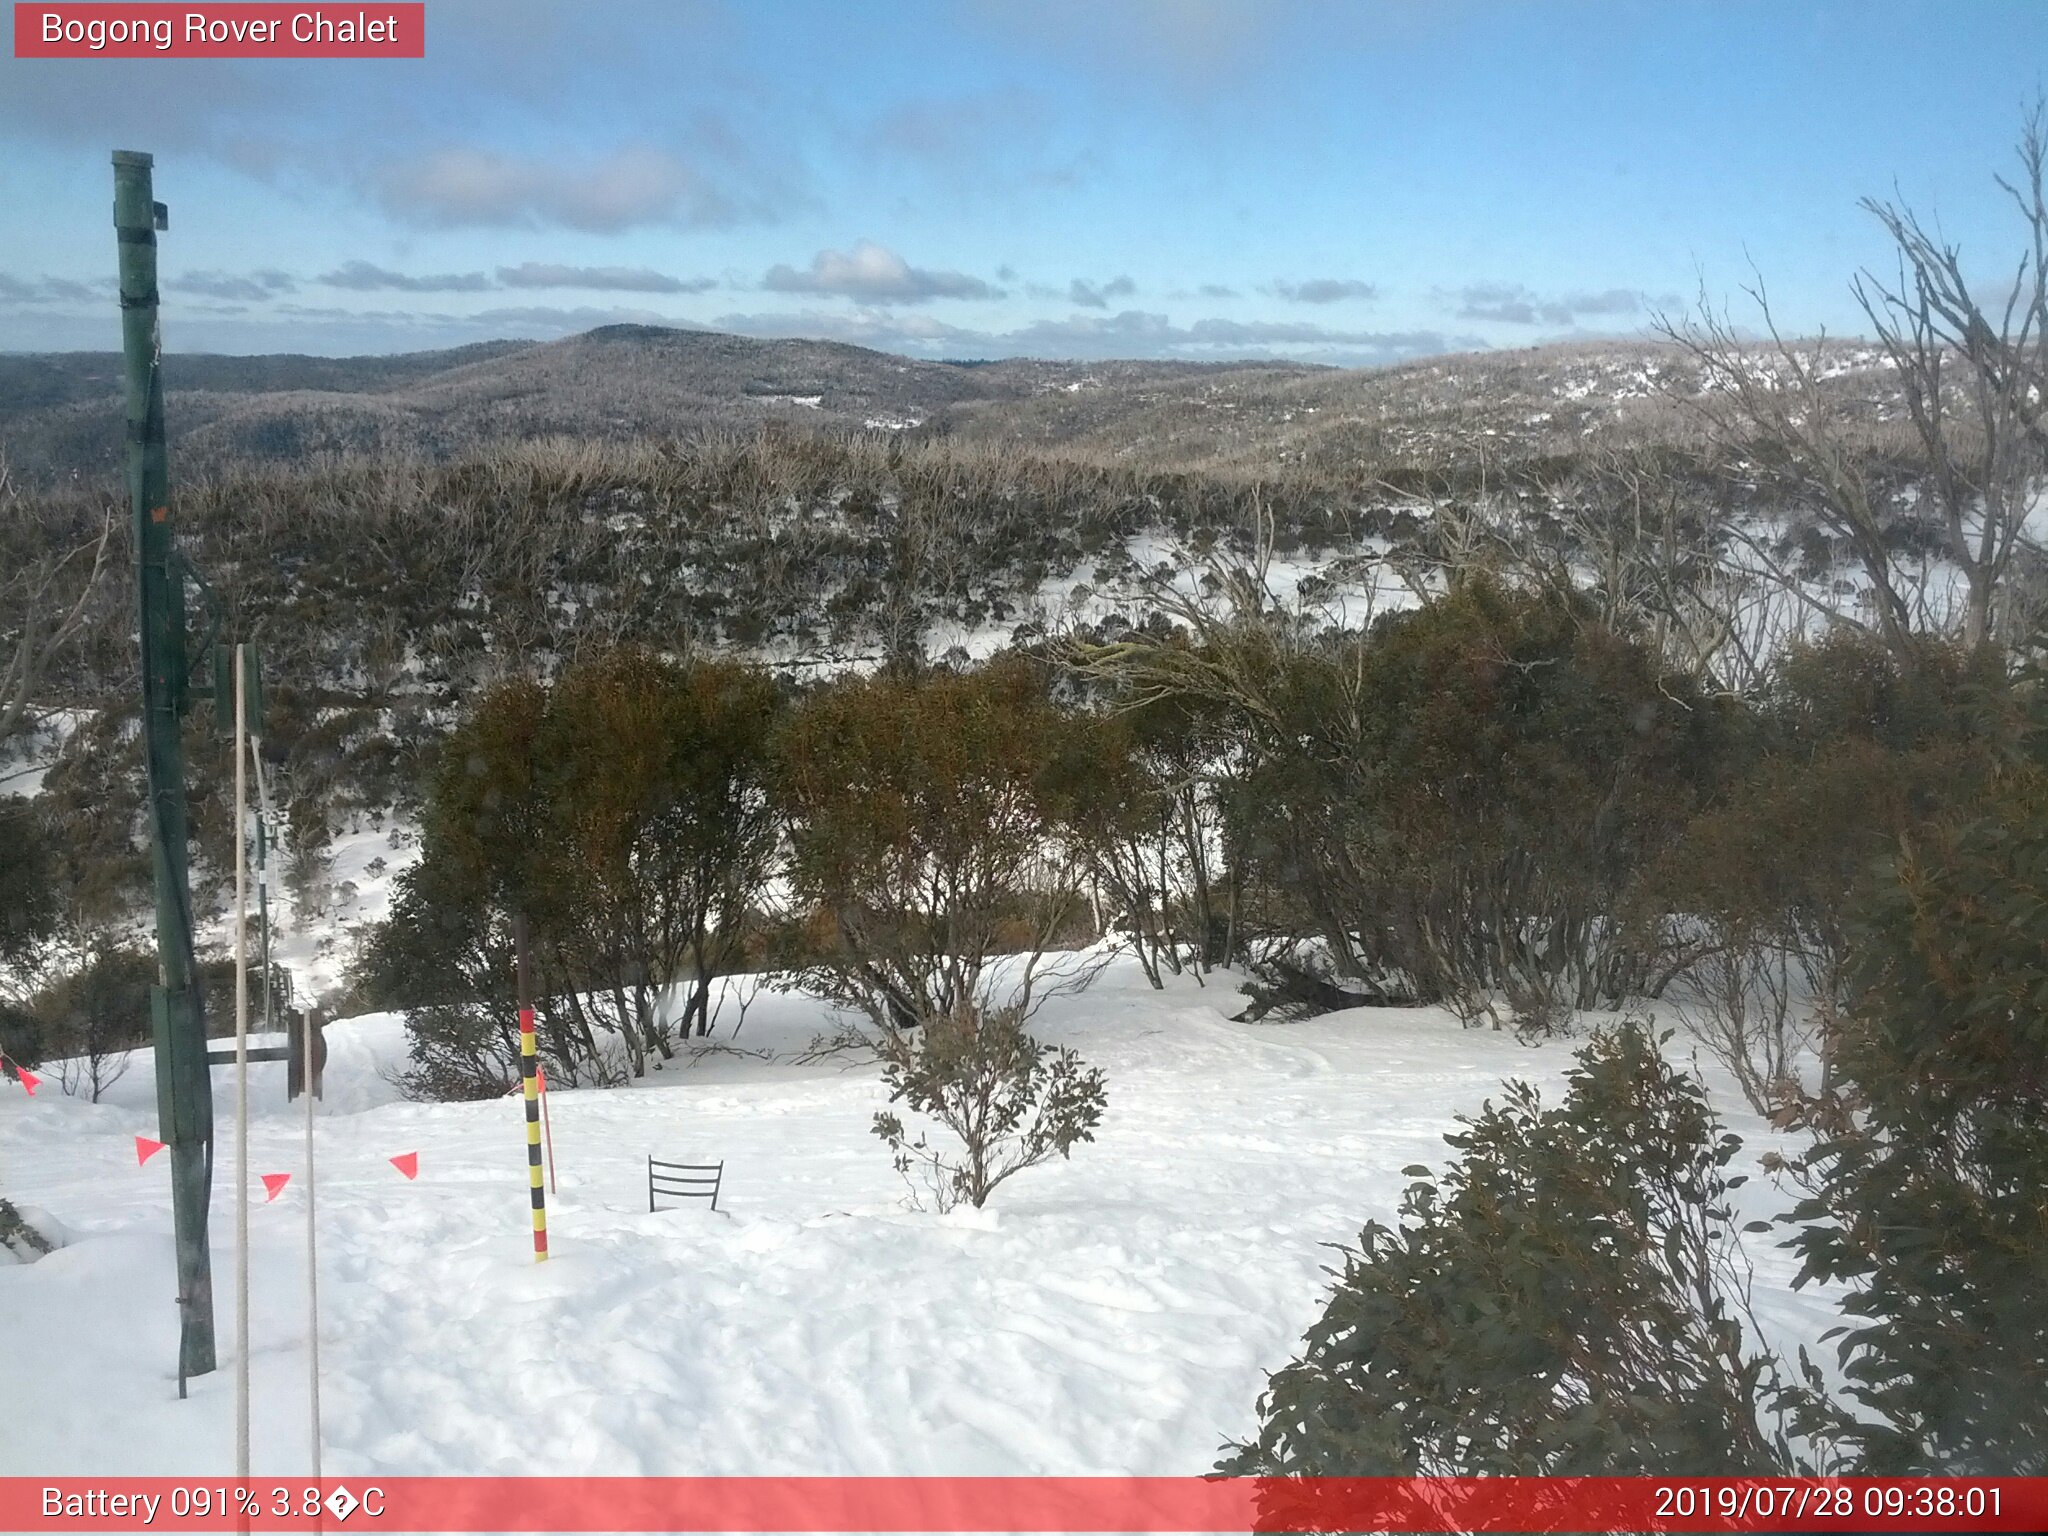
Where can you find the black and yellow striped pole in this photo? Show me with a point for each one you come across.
(529, 1072)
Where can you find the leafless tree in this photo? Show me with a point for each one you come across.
(1744, 1003)
(45, 601)
(1975, 379)
(1769, 405)
(1236, 633)
(1973, 375)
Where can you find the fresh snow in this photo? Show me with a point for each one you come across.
(1117, 1313)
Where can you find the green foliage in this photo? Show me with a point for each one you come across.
(1011, 1101)
(28, 880)
(655, 779)
(1930, 1198)
(466, 1051)
(1783, 853)
(21, 1039)
(105, 1002)
(1558, 1302)
(446, 958)
(1848, 686)
(1152, 832)
(17, 1236)
(1461, 798)
(445, 952)
(932, 824)
(485, 818)
(624, 813)
(96, 1014)
(1851, 750)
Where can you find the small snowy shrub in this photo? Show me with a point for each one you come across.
(1561, 1301)
(1009, 1100)
(93, 1018)
(459, 1051)
(19, 1240)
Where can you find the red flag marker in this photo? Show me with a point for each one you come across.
(28, 1080)
(145, 1149)
(407, 1163)
(275, 1183)
(540, 1080)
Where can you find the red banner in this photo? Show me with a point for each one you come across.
(74, 29)
(1053, 1504)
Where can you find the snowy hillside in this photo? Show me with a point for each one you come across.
(1113, 1314)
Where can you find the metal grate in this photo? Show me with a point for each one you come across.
(683, 1181)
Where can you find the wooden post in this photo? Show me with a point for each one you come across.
(184, 1082)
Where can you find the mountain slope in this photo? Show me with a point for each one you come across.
(61, 413)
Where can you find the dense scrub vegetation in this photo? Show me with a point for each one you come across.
(1507, 1324)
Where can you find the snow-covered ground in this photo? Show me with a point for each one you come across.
(1113, 1314)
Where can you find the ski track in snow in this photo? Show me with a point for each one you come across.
(1114, 1314)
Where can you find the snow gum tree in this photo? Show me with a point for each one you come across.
(937, 823)
(1971, 363)
(1152, 839)
(656, 778)
(1457, 800)
(934, 824)
(624, 812)
(1848, 750)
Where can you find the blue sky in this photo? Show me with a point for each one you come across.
(1339, 181)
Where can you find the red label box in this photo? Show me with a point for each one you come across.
(931, 1505)
(112, 29)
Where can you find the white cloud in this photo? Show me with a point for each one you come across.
(1097, 295)
(1512, 304)
(632, 186)
(235, 286)
(874, 274)
(544, 274)
(364, 277)
(1324, 290)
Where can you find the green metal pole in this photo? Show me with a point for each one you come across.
(184, 1086)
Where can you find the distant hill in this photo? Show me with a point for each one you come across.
(61, 413)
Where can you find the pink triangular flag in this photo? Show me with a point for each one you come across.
(407, 1163)
(275, 1183)
(540, 1080)
(145, 1149)
(28, 1080)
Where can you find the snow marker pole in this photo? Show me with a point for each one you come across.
(306, 1022)
(308, 1032)
(529, 1071)
(241, 1067)
(547, 1127)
